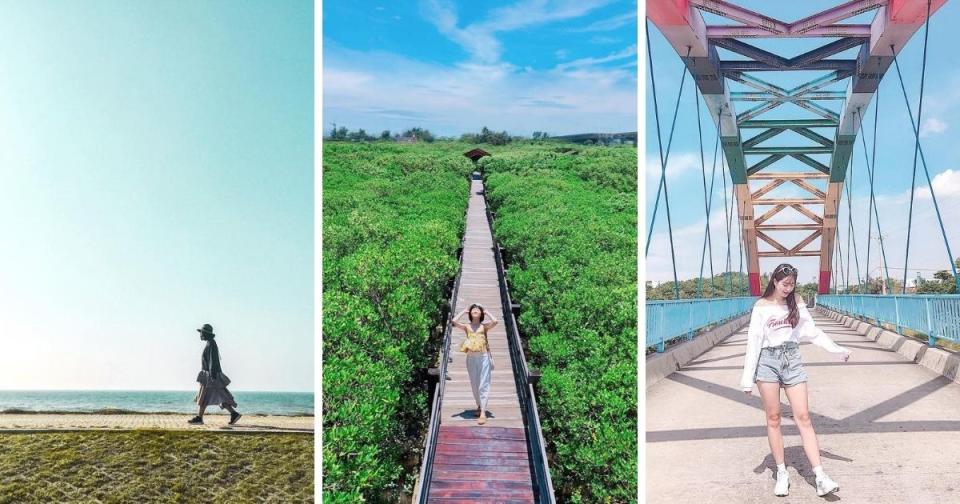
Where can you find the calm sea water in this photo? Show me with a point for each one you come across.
(270, 403)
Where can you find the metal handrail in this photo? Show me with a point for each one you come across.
(543, 491)
(937, 316)
(676, 318)
(430, 444)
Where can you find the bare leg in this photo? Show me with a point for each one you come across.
(200, 412)
(797, 395)
(230, 409)
(770, 396)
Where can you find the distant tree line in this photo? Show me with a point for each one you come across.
(345, 135)
(485, 136)
(737, 284)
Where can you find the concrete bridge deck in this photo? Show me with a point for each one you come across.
(889, 429)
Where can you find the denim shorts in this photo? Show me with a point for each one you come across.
(781, 364)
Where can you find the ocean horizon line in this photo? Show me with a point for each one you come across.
(158, 390)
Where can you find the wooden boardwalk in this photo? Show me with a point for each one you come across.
(480, 463)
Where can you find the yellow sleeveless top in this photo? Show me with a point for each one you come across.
(475, 341)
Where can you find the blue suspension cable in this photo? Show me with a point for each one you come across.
(707, 240)
(856, 256)
(872, 206)
(916, 148)
(866, 157)
(664, 157)
(923, 161)
(740, 246)
(703, 173)
(727, 213)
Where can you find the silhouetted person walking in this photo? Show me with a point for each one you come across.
(213, 383)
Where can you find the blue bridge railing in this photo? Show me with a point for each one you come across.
(937, 316)
(667, 320)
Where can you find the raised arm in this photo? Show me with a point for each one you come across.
(455, 321)
(493, 320)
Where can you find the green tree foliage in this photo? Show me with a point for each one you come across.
(421, 134)
(341, 133)
(392, 221)
(723, 285)
(568, 224)
(487, 137)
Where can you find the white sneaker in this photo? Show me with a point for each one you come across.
(825, 486)
(783, 484)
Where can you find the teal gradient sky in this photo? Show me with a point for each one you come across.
(156, 173)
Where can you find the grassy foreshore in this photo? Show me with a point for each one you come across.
(155, 466)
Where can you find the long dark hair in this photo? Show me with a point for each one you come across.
(779, 273)
(470, 313)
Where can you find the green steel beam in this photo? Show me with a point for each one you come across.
(762, 137)
(816, 137)
(765, 163)
(813, 163)
(788, 123)
(789, 150)
(733, 150)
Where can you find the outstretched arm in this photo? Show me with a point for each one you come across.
(809, 331)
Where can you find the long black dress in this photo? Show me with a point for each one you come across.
(213, 387)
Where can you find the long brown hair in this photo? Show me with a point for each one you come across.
(779, 273)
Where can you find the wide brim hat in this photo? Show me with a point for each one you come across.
(206, 329)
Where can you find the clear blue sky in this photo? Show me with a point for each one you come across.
(941, 124)
(561, 66)
(156, 161)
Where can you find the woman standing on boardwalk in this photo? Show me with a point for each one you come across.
(213, 383)
(777, 325)
(479, 358)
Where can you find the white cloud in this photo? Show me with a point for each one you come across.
(932, 126)
(478, 38)
(610, 23)
(626, 53)
(560, 54)
(678, 164)
(603, 39)
(378, 90)
(946, 185)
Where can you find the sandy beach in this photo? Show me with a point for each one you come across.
(161, 421)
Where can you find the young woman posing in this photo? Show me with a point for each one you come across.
(777, 325)
(479, 358)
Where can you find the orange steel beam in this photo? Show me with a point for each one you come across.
(806, 241)
(770, 213)
(789, 227)
(810, 187)
(767, 188)
(788, 201)
(789, 175)
(802, 253)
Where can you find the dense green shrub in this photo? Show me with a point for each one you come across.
(392, 220)
(568, 223)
